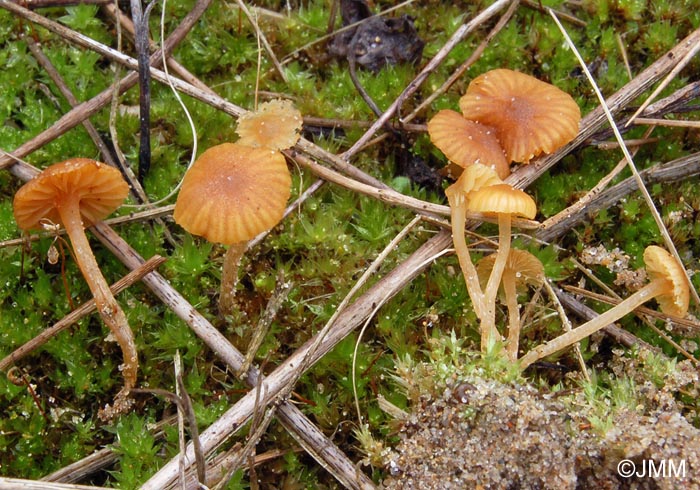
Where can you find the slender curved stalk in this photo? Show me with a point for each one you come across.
(645, 294)
(489, 332)
(471, 278)
(110, 311)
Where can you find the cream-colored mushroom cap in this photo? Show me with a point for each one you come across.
(529, 115)
(233, 192)
(661, 265)
(502, 199)
(98, 188)
(275, 125)
(466, 142)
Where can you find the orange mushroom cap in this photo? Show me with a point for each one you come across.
(661, 265)
(275, 125)
(233, 192)
(502, 199)
(99, 188)
(467, 142)
(529, 115)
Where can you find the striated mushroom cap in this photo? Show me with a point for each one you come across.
(661, 265)
(233, 192)
(527, 269)
(502, 199)
(467, 142)
(529, 115)
(99, 188)
(275, 125)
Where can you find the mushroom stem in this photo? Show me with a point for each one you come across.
(471, 278)
(513, 314)
(648, 292)
(110, 311)
(229, 276)
(488, 323)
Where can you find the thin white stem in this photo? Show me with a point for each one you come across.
(645, 294)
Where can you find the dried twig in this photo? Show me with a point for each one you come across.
(306, 433)
(673, 171)
(389, 285)
(88, 108)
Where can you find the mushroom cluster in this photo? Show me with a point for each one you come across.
(506, 116)
(234, 191)
(480, 190)
(77, 193)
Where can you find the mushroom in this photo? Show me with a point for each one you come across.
(473, 177)
(466, 142)
(77, 193)
(668, 284)
(505, 202)
(275, 125)
(522, 269)
(529, 115)
(231, 194)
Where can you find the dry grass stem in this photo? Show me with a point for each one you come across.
(630, 162)
(278, 380)
(476, 54)
(334, 460)
(674, 123)
(675, 71)
(673, 171)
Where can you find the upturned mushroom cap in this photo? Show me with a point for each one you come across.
(472, 178)
(530, 116)
(99, 188)
(527, 269)
(233, 192)
(467, 142)
(275, 125)
(661, 265)
(502, 199)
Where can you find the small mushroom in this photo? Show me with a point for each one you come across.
(522, 269)
(78, 193)
(472, 178)
(275, 125)
(529, 115)
(467, 142)
(668, 284)
(503, 201)
(231, 194)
